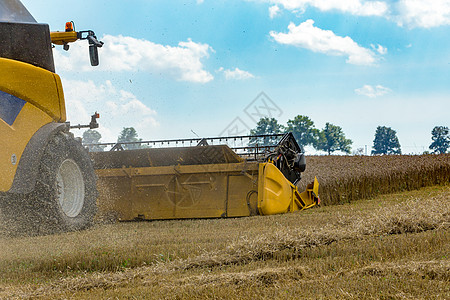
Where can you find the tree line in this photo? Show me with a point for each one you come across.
(128, 134)
(330, 139)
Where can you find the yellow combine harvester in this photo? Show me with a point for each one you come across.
(48, 182)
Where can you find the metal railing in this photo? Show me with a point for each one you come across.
(247, 146)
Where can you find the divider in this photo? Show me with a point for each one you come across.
(277, 195)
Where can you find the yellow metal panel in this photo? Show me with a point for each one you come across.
(179, 196)
(278, 195)
(177, 169)
(15, 138)
(275, 189)
(62, 101)
(61, 38)
(37, 86)
(241, 196)
(306, 199)
(316, 187)
(164, 196)
(192, 191)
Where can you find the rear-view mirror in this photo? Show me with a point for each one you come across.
(93, 54)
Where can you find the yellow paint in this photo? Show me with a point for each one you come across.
(277, 195)
(61, 38)
(176, 192)
(35, 85)
(16, 138)
(43, 92)
(306, 198)
(275, 191)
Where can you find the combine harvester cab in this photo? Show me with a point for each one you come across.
(204, 181)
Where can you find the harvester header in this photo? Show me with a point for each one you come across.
(198, 179)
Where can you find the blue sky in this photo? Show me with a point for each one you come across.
(171, 68)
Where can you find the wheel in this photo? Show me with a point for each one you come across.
(65, 195)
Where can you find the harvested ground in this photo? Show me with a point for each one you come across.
(394, 246)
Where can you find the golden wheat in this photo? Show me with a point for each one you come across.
(347, 178)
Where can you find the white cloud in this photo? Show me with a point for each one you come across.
(315, 39)
(236, 74)
(373, 91)
(422, 13)
(122, 53)
(380, 49)
(407, 13)
(274, 11)
(117, 108)
(355, 7)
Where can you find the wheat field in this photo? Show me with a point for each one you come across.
(347, 178)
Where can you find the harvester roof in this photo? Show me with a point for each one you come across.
(14, 11)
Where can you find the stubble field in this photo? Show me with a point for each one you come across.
(391, 246)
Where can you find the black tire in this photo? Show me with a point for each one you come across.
(65, 196)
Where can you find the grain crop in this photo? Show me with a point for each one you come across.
(348, 178)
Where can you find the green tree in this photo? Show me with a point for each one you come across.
(441, 139)
(129, 134)
(93, 137)
(332, 138)
(386, 141)
(302, 127)
(266, 126)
